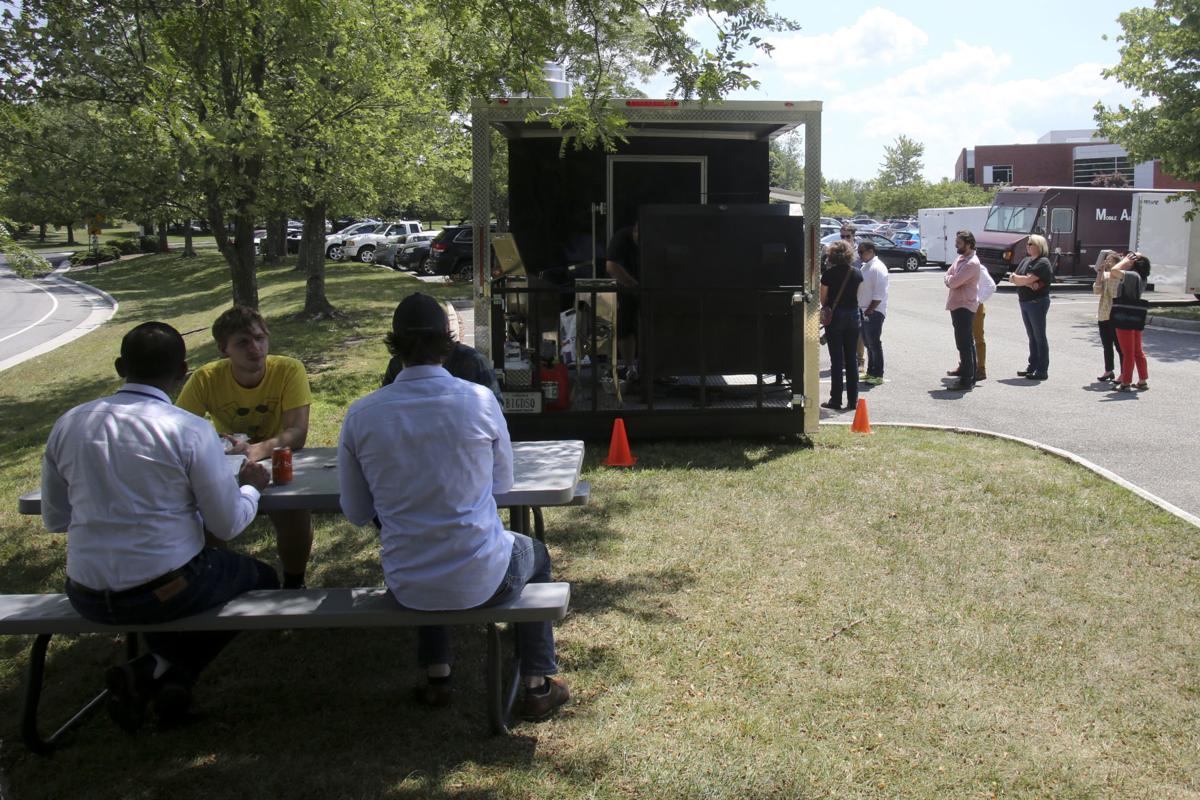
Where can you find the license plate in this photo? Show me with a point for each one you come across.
(522, 402)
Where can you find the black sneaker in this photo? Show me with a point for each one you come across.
(961, 386)
(172, 702)
(538, 706)
(128, 694)
(433, 695)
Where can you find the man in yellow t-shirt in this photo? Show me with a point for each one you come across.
(266, 398)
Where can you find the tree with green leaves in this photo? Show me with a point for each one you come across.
(850, 192)
(1160, 59)
(787, 162)
(902, 164)
(229, 83)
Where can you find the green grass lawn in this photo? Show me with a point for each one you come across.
(907, 614)
(1179, 312)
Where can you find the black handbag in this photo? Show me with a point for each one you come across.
(1130, 316)
(1129, 313)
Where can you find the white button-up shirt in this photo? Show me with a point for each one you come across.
(425, 454)
(874, 285)
(134, 481)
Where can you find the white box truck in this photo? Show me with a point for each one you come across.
(939, 226)
(1159, 230)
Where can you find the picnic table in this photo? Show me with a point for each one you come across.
(545, 473)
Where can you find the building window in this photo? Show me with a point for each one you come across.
(1086, 171)
(970, 174)
(997, 174)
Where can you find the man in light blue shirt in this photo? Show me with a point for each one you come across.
(422, 457)
(135, 481)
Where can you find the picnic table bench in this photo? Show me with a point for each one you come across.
(44, 615)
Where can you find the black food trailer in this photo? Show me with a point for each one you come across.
(718, 338)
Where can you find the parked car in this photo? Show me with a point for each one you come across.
(891, 254)
(450, 253)
(333, 242)
(409, 254)
(362, 244)
(910, 237)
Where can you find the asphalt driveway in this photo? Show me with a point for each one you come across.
(1149, 438)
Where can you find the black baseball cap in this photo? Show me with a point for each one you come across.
(419, 313)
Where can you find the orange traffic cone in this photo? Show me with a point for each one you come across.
(861, 424)
(618, 448)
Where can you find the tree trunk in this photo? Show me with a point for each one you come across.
(41, 231)
(188, 250)
(70, 233)
(274, 246)
(312, 261)
(147, 227)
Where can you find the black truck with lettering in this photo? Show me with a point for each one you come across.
(1077, 221)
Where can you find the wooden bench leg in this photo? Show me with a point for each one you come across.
(34, 679)
(501, 696)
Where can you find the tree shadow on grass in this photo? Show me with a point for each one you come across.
(645, 596)
(302, 714)
(716, 454)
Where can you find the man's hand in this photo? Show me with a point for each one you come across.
(259, 450)
(234, 445)
(254, 474)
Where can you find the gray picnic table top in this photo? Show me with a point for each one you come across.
(545, 473)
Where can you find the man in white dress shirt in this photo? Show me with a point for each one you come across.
(872, 299)
(134, 481)
(422, 457)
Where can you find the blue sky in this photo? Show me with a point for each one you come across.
(948, 74)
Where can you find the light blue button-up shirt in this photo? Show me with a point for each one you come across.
(134, 481)
(425, 454)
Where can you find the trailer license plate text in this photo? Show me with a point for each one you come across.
(522, 402)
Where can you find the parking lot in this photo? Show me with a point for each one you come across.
(1147, 438)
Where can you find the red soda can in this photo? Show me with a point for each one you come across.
(281, 465)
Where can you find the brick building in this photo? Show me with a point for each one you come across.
(1059, 158)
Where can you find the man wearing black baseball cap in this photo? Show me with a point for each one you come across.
(423, 457)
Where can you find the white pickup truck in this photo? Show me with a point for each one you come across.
(362, 245)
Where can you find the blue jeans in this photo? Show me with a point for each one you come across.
(963, 320)
(214, 576)
(841, 336)
(1033, 314)
(529, 563)
(872, 336)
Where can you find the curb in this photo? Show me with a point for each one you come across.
(1066, 455)
(1159, 321)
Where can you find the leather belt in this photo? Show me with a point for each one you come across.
(148, 586)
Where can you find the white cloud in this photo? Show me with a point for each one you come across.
(877, 37)
(961, 99)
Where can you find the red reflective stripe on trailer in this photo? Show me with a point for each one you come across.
(652, 103)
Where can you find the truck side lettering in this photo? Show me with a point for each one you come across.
(1102, 215)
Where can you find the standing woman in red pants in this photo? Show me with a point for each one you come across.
(1133, 270)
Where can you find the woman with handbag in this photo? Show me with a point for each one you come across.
(1032, 278)
(1128, 316)
(1106, 287)
(841, 318)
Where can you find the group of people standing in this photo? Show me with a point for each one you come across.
(1120, 281)
(853, 299)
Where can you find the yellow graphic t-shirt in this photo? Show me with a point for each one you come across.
(258, 412)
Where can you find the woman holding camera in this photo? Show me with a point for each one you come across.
(1106, 287)
(1133, 270)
